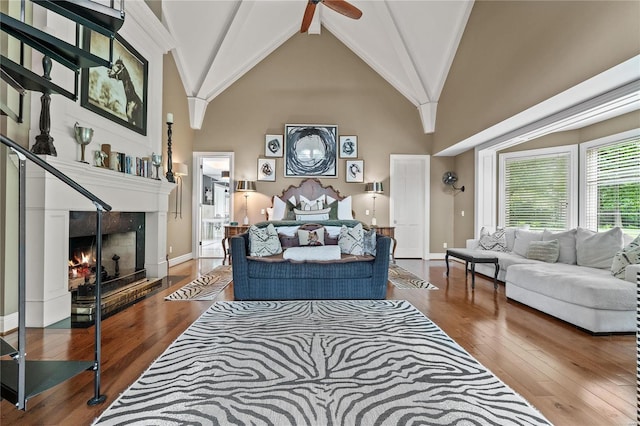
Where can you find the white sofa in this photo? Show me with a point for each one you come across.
(590, 298)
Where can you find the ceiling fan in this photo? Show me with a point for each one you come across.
(340, 6)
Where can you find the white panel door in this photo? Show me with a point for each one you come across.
(409, 204)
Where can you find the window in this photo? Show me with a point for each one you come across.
(537, 187)
(611, 183)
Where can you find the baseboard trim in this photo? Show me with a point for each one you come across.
(436, 256)
(8, 323)
(180, 259)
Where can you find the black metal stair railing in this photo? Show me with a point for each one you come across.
(22, 379)
(91, 15)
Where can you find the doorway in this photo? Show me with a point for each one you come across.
(409, 204)
(212, 195)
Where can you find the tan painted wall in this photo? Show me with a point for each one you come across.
(515, 54)
(174, 100)
(298, 84)
(464, 201)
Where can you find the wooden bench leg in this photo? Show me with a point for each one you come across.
(446, 259)
(473, 274)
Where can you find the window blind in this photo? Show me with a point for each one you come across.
(612, 186)
(537, 191)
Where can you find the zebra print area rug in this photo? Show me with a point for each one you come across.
(206, 287)
(317, 363)
(401, 278)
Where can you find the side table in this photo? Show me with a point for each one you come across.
(388, 231)
(230, 231)
(473, 257)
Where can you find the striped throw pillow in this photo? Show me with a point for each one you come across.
(546, 251)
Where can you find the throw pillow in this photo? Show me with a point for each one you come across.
(344, 207)
(510, 235)
(546, 251)
(307, 215)
(311, 238)
(370, 241)
(316, 204)
(351, 240)
(264, 241)
(629, 255)
(523, 238)
(495, 242)
(596, 249)
(567, 241)
(333, 212)
(279, 209)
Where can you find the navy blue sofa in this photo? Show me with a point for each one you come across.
(260, 280)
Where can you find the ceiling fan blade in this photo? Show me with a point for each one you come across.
(344, 8)
(308, 16)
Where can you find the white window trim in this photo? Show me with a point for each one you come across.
(607, 140)
(572, 150)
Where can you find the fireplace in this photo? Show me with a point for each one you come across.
(123, 277)
(56, 215)
(123, 236)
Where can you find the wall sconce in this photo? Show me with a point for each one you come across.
(450, 178)
(246, 186)
(179, 170)
(374, 188)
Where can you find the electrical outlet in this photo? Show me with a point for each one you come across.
(462, 213)
(262, 211)
(170, 249)
(366, 212)
(444, 245)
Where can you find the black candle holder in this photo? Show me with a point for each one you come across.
(169, 175)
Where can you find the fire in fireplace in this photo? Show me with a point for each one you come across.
(122, 271)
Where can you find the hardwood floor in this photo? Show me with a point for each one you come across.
(573, 378)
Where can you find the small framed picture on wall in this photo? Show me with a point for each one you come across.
(348, 147)
(273, 146)
(267, 169)
(355, 171)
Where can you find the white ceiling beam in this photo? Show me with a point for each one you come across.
(315, 28)
(245, 45)
(451, 49)
(420, 89)
(197, 109)
(427, 113)
(355, 46)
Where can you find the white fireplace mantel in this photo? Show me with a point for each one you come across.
(49, 202)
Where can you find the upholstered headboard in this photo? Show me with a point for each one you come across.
(311, 189)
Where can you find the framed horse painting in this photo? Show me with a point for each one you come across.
(119, 93)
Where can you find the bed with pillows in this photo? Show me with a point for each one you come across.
(586, 278)
(310, 248)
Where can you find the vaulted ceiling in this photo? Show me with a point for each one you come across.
(410, 43)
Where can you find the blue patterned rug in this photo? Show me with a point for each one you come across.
(318, 363)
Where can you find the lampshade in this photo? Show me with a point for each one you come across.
(374, 187)
(245, 185)
(180, 169)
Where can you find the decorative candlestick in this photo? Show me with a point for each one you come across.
(44, 141)
(170, 177)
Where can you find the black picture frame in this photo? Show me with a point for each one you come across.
(311, 150)
(120, 93)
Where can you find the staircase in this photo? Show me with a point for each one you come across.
(87, 14)
(22, 379)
